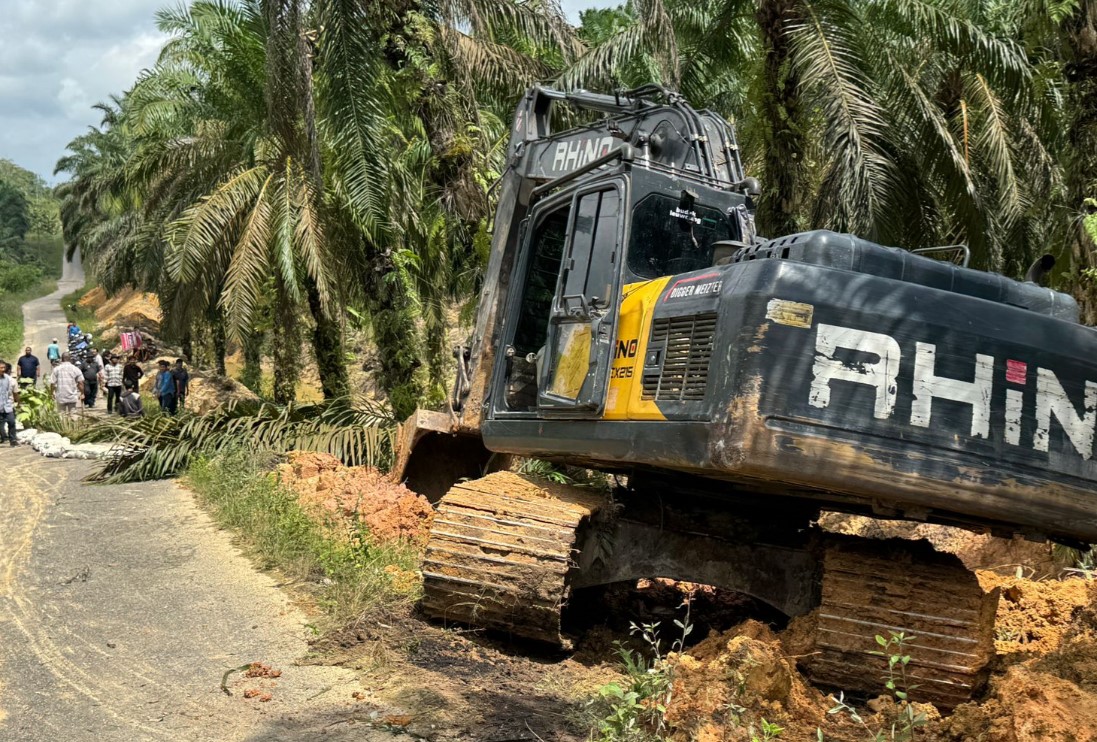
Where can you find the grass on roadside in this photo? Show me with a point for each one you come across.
(349, 579)
(11, 318)
(76, 313)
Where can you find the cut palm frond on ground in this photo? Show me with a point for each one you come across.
(156, 447)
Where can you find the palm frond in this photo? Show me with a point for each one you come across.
(161, 446)
(858, 176)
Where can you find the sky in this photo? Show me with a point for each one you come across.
(60, 57)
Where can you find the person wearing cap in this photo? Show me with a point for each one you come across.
(53, 352)
(29, 367)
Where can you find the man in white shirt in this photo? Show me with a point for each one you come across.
(67, 383)
(9, 395)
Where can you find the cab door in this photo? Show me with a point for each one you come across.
(582, 322)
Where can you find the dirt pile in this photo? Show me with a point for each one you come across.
(733, 684)
(1024, 705)
(729, 682)
(127, 310)
(343, 496)
(975, 550)
(1044, 685)
(208, 392)
(1051, 696)
(1034, 617)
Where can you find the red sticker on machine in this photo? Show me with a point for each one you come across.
(1016, 372)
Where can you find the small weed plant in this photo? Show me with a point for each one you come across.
(894, 649)
(635, 710)
(767, 731)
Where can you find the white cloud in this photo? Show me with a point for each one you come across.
(58, 58)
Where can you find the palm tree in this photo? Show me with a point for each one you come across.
(242, 174)
(901, 120)
(408, 100)
(1078, 31)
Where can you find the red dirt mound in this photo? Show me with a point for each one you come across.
(1045, 687)
(342, 495)
(1024, 706)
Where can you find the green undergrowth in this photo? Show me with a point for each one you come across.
(18, 284)
(48, 251)
(349, 579)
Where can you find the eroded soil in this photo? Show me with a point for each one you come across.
(742, 664)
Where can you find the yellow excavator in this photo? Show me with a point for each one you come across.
(633, 322)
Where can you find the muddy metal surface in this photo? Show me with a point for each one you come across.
(121, 607)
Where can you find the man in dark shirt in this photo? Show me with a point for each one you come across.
(29, 368)
(165, 388)
(182, 378)
(132, 372)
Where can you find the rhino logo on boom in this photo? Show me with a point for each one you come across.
(576, 153)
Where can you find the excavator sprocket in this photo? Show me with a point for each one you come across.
(876, 588)
(500, 551)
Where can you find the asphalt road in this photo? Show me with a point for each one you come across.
(122, 606)
(43, 318)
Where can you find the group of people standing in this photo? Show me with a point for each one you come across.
(72, 384)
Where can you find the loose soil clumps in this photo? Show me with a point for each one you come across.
(1043, 685)
(1033, 617)
(976, 550)
(1024, 705)
(349, 496)
(732, 680)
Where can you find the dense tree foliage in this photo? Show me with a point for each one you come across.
(14, 215)
(286, 160)
(28, 209)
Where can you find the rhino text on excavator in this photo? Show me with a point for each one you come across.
(632, 322)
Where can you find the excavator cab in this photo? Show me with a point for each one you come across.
(581, 247)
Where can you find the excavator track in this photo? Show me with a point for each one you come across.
(880, 588)
(500, 552)
(503, 554)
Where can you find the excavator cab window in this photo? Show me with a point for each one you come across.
(669, 238)
(531, 331)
